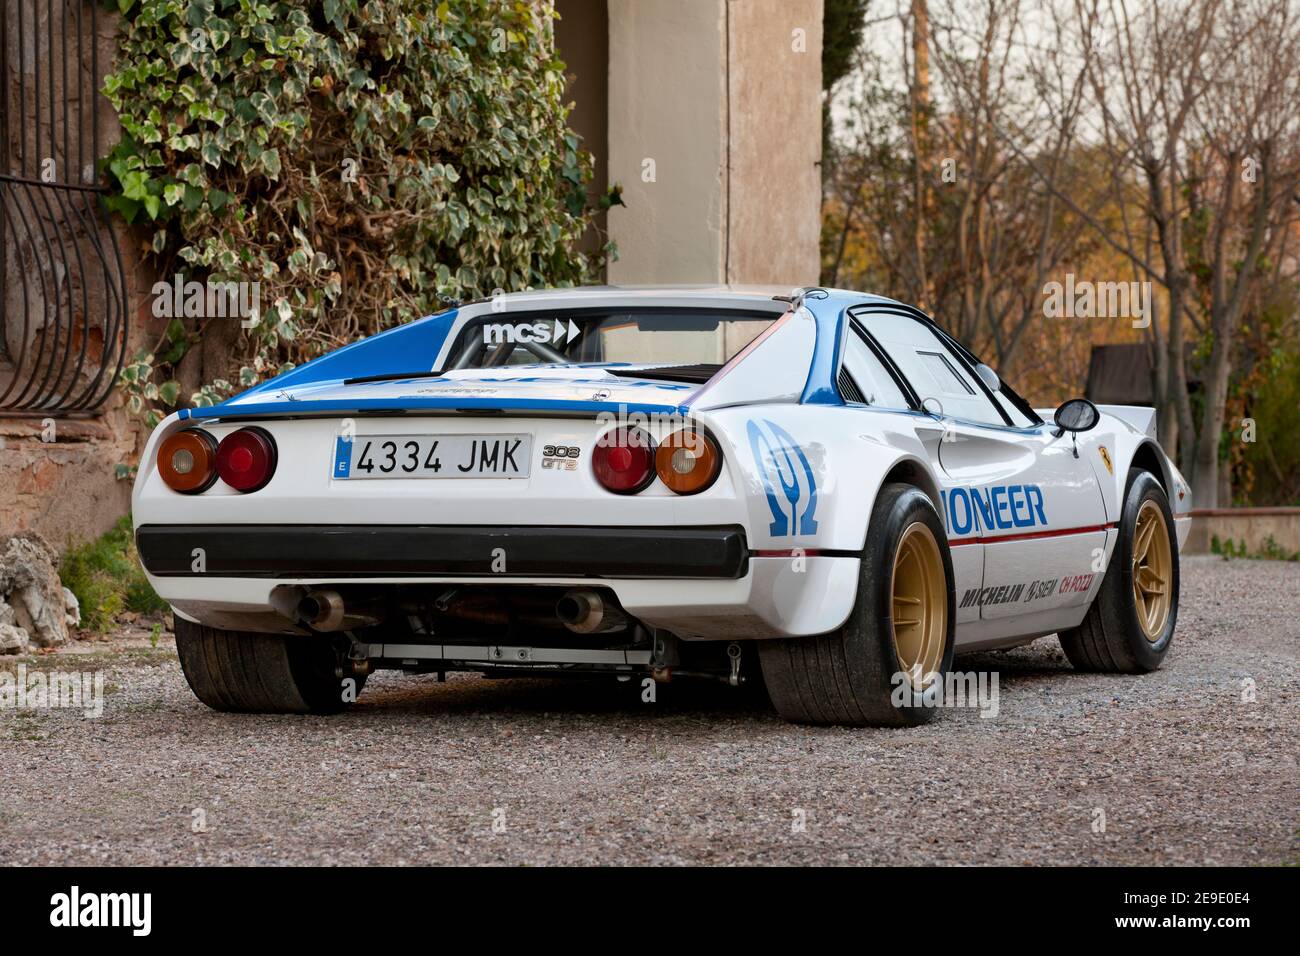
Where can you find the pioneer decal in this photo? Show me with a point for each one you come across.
(773, 448)
(993, 508)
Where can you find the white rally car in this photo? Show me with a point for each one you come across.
(821, 490)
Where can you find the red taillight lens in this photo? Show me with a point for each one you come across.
(246, 459)
(624, 460)
(187, 461)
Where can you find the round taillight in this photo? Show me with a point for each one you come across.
(246, 459)
(688, 461)
(187, 461)
(624, 460)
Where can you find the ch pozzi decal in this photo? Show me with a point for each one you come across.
(788, 479)
(997, 507)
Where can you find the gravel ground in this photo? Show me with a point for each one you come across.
(560, 772)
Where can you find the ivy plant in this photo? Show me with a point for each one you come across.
(364, 163)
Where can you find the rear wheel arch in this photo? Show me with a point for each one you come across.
(910, 471)
(906, 470)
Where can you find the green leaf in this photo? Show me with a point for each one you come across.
(468, 176)
(271, 162)
(135, 185)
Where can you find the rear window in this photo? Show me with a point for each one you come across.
(659, 338)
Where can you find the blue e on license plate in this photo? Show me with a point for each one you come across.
(432, 456)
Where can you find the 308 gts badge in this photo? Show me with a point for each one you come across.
(561, 456)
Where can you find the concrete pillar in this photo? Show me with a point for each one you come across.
(715, 135)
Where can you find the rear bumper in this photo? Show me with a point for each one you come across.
(424, 551)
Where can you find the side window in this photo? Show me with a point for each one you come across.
(937, 376)
(869, 374)
(943, 377)
(1018, 418)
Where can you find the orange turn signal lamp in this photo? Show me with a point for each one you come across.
(190, 461)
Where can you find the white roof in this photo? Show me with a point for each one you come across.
(665, 295)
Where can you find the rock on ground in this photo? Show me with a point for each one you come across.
(13, 639)
(30, 586)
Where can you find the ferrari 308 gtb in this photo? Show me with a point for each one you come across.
(822, 491)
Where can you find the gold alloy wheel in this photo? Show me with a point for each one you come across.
(1152, 570)
(919, 595)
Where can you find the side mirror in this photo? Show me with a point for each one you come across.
(988, 377)
(1076, 415)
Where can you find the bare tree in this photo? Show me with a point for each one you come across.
(953, 215)
(1197, 108)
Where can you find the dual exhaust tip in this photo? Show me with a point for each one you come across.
(581, 610)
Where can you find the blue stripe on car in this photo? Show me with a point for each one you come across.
(408, 348)
(831, 315)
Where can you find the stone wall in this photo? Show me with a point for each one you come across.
(62, 278)
(1251, 528)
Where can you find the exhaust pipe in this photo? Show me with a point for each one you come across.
(584, 611)
(323, 610)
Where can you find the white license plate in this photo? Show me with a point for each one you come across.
(432, 456)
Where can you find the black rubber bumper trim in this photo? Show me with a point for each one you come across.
(357, 551)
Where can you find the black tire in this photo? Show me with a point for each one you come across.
(247, 672)
(848, 677)
(1111, 639)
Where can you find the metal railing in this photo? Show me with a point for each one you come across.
(63, 295)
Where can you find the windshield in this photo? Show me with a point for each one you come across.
(688, 341)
